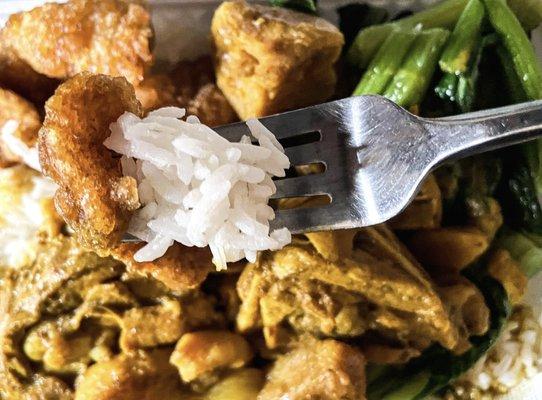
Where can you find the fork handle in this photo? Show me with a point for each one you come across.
(468, 134)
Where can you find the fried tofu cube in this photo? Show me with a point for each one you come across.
(273, 59)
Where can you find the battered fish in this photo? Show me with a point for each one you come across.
(94, 198)
(100, 36)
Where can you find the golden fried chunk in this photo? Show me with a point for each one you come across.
(141, 375)
(197, 355)
(179, 268)
(195, 89)
(100, 36)
(17, 75)
(503, 268)
(19, 122)
(94, 198)
(467, 308)
(211, 107)
(273, 59)
(450, 248)
(425, 211)
(324, 370)
(156, 91)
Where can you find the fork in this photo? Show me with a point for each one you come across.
(376, 155)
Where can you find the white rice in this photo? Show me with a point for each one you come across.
(21, 221)
(515, 358)
(28, 155)
(197, 188)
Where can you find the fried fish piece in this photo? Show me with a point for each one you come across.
(101, 36)
(19, 121)
(179, 268)
(17, 75)
(211, 107)
(156, 91)
(93, 197)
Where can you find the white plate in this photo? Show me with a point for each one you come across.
(182, 32)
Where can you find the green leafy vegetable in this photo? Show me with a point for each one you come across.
(369, 40)
(386, 63)
(464, 40)
(307, 6)
(525, 248)
(410, 83)
(519, 47)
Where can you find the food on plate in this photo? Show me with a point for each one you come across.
(213, 303)
(27, 214)
(60, 40)
(268, 59)
(17, 75)
(315, 369)
(92, 196)
(19, 126)
(197, 188)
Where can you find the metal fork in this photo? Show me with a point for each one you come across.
(377, 154)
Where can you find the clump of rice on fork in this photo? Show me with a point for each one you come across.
(197, 188)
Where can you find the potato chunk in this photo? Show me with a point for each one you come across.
(101, 36)
(142, 375)
(272, 59)
(324, 370)
(199, 354)
(19, 121)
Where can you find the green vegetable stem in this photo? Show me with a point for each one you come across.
(369, 40)
(519, 47)
(409, 85)
(386, 63)
(464, 39)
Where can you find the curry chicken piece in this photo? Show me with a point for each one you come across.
(19, 122)
(273, 59)
(101, 36)
(376, 287)
(317, 369)
(73, 316)
(94, 198)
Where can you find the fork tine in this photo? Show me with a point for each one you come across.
(302, 186)
(284, 125)
(304, 154)
(317, 218)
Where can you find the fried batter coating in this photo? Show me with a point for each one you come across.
(17, 75)
(211, 107)
(94, 198)
(195, 89)
(18, 119)
(101, 36)
(179, 268)
(156, 91)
